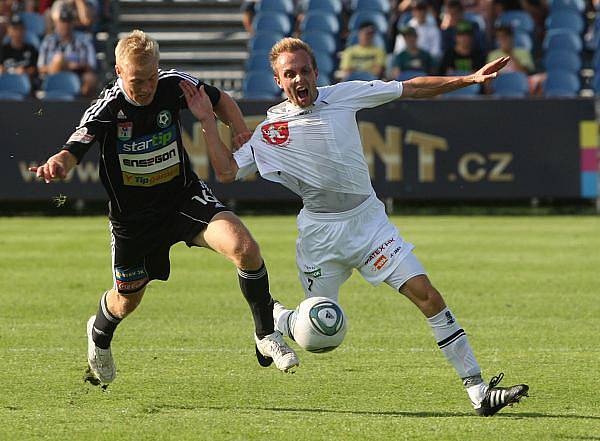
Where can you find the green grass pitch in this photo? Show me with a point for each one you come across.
(526, 289)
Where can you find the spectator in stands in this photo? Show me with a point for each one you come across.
(248, 9)
(66, 50)
(429, 37)
(520, 59)
(465, 56)
(454, 14)
(412, 57)
(17, 56)
(83, 12)
(364, 56)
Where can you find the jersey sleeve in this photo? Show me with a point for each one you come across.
(364, 94)
(91, 128)
(214, 94)
(244, 157)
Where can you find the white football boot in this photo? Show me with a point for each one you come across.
(274, 348)
(100, 360)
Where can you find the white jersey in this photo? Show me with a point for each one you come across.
(317, 151)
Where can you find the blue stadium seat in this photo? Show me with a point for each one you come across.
(476, 18)
(325, 63)
(562, 39)
(6, 95)
(375, 17)
(272, 22)
(63, 82)
(565, 19)
(378, 40)
(261, 85)
(409, 74)
(562, 59)
(34, 22)
(512, 84)
(597, 84)
(320, 21)
(320, 41)
(523, 40)
(331, 6)
(361, 76)
(574, 5)
(373, 5)
(264, 41)
(561, 82)
(282, 6)
(57, 95)
(518, 20)
(258, 60)
(12, 85)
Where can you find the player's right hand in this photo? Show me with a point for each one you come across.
(55, 168)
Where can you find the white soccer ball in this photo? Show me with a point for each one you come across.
(320, 324)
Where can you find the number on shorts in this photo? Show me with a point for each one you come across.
(310, 283)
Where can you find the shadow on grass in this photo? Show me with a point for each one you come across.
(415, 414)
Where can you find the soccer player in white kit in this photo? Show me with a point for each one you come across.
(311, 145)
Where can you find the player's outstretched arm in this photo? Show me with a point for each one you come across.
(229, 112)
(56, 167)
(220, 156)
(428, 87)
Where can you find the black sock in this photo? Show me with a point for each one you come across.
(105, 325)
(255, 287)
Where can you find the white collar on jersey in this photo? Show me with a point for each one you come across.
(129, 100)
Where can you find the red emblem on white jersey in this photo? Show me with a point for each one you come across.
(276, 133)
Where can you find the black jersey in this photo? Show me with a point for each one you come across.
(143, 163)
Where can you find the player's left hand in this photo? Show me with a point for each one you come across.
(197, 101)
(240, 139)
(490, 70)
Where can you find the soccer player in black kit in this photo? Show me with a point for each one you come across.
(156, 200)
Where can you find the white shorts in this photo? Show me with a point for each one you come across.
(331, 245)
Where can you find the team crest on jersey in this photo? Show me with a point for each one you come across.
(124, 130)
(276, 133)
(163, 119)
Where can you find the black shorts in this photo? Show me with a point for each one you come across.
(139, 258)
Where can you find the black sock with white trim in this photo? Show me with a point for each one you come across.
(255, 287)
(453, 342)
(104, 325)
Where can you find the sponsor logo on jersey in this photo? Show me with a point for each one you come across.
(148, 143)
(81, 135)
(121, 114)
(152, 179)
(163, 119)
(380, 263)
(314, 273)
(276, 133)
(379, 250)
(150, 160)
(124, 130)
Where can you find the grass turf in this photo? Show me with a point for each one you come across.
(524, 288)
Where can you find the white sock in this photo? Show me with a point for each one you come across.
(453, 342)
(477, 393)
(283, 318)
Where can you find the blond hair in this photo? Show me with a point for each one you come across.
(137, 45)
(290, 45)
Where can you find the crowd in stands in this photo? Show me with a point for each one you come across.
(49, 45)
(400, 39)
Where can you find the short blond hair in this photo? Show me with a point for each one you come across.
(137, 45)
(290, 45)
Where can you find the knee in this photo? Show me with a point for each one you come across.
(246, 253)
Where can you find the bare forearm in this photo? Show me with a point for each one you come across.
(428, 87)
(228, 111)
(220, 156)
